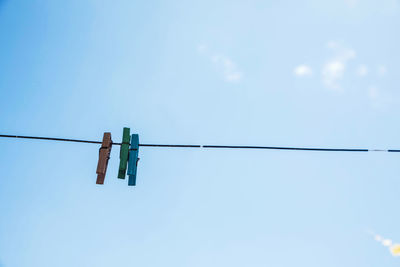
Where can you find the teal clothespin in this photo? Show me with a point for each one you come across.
(133, 159)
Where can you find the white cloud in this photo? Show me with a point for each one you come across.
(224, 64)
(303, 70)
(229, 69)
(334, 69)
(332, 72)
(362, 70)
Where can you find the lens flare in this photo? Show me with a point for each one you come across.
(394, 248)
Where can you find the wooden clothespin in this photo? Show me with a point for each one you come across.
(104, 156)
(133, 159)
(124, 153)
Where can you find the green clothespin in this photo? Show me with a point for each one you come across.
(124, 153)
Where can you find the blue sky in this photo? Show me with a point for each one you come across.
(277, 73)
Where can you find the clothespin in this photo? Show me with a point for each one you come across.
(124, 153)
(104, 156)
(133, 159)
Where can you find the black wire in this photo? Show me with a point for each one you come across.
(157, 145)
(291, 148)
(205, 146)
(87, 141)
(53, 139)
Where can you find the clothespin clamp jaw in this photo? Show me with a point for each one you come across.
(124, 153)
(104, 156)
(133, 159)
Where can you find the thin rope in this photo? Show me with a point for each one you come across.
(291, 148)
(87, 141)
(210, 146)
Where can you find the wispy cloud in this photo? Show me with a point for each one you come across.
(228, 67)
(394, 248)
(224, 64)
(334, 69)
(303, 70)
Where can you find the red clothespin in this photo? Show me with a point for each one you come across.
(104, 156)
